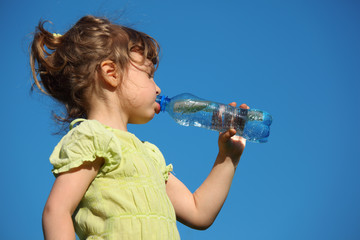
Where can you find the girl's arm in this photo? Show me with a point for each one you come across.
(65, 195)
(199, 209)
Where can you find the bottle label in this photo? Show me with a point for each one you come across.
(189, 106)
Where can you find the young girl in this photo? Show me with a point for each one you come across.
(109, 184)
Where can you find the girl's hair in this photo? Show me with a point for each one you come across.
(67, 64)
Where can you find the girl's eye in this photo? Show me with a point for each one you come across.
(150, 74)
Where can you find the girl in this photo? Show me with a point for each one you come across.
(109, 184)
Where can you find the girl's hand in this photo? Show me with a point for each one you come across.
(230, 145)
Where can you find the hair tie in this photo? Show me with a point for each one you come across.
(57, 35)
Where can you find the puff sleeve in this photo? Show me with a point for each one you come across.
(85, 143)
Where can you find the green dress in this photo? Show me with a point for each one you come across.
(127, 199)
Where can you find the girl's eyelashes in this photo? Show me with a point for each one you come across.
(151, 73)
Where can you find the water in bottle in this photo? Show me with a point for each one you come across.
(189, 110)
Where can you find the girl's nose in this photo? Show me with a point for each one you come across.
(158, 90)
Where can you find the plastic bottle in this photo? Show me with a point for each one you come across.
(189, 110)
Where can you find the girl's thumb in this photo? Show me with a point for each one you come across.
(225, 136)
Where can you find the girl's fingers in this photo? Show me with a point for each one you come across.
(233, 104)
(225, 136)
(244, 106)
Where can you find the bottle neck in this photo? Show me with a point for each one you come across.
(162, 101)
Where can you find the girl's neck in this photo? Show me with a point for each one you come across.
(109, 115)
(106, 108)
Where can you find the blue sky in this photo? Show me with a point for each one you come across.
(298, 60)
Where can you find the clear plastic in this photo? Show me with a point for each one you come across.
(189, 110)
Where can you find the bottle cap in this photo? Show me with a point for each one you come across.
(161, 100)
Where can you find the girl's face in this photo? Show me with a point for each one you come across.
(139, 91)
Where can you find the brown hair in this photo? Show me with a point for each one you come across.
(67, 64)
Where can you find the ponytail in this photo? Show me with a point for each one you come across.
(53, 76)
(42, 56)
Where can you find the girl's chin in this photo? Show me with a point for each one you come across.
(142, 119)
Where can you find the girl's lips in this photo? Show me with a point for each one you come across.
(157, 109)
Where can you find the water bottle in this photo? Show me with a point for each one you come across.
(189, 110)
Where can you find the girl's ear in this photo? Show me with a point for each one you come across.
(110, 73)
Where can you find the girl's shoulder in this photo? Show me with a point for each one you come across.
(152, 148)
(159, 159)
